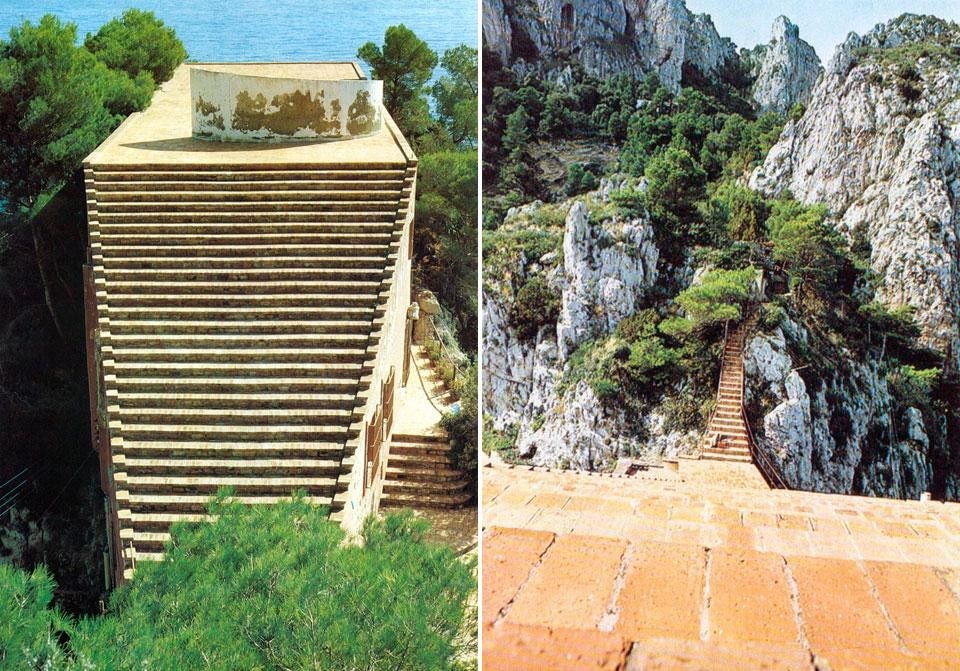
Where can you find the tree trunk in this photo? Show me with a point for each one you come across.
(45, 280)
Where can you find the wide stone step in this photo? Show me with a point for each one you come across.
(222, 232)
(382, 235)
(246, 251)
(243, 301)
(416, 439)
(289, 215)
(163, 521)
(318, 374)
(197, 504)
(184, 326)
(213, 432)
(238, 340)
(239, 173)
(418, 451)
(209, 484)
(239, 356)
(244, 401)
(247, 417)
(154, 449)
(234, 384)
(240, 262)
(181, 466)
(722, 456)
(425, 501)
(422, 475)
(337, 276)
(319, 205)
(220, 315)
(290, 192)
(109, 190)
(214, 240)
(424, 488)
(421, 459)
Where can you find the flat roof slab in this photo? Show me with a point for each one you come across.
(162, 136)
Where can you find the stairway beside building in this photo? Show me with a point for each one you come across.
(420, 474)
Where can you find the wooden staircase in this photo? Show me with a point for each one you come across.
(420, 474)
(239, 310)
(728, 437)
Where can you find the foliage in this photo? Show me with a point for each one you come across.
(811, 250)
(455, 94)
(535, 306)
(50, 111)
(30, 630)
(445, 242)
(720, 296)
(463, 428)
(262, 587)
(743, 209)
(579, 179)
(138, 43)
(405, 64)
(913, 386)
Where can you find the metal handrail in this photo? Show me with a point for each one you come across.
(768, 470)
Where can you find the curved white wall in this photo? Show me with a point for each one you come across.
(244, 108)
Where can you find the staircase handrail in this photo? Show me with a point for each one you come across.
(726, 330)
(762, 461)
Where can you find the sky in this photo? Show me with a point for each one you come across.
(822, 23)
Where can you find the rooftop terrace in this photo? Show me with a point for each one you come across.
(683, 571)
(162, 134)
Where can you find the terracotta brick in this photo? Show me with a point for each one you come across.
(684, 655)
(512, 647)
(663, 592)
(508, 556)
(795, 522)
(749, 598)
(838, 606)
(871, 659)
(573, 585)
(549, 500)
(909, 591)
(896, 529)
(598, 505)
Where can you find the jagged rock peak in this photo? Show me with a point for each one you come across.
(786, 70)
(904, 30)
(880, 146)
(605, 37)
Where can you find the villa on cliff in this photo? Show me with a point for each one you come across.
(247, 289)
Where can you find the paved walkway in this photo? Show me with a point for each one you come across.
(415, 414)
(654, 572)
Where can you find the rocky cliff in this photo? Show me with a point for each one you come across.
(879, 145)
(605, 37)
(785, 70)
(836, 427)
(607, 268)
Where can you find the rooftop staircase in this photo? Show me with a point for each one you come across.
(239, 310)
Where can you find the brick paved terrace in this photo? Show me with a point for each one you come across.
(691, 570)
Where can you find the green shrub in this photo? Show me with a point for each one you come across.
(536, 305)
(605, 388)
(259, 587)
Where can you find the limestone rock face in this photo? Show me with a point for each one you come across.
(605, 36)
(814, 430)
(607, 271)
(496, 28)
(880, 145)
(608, 267)
(785, 70)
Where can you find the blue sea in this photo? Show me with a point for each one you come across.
(273, 30)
